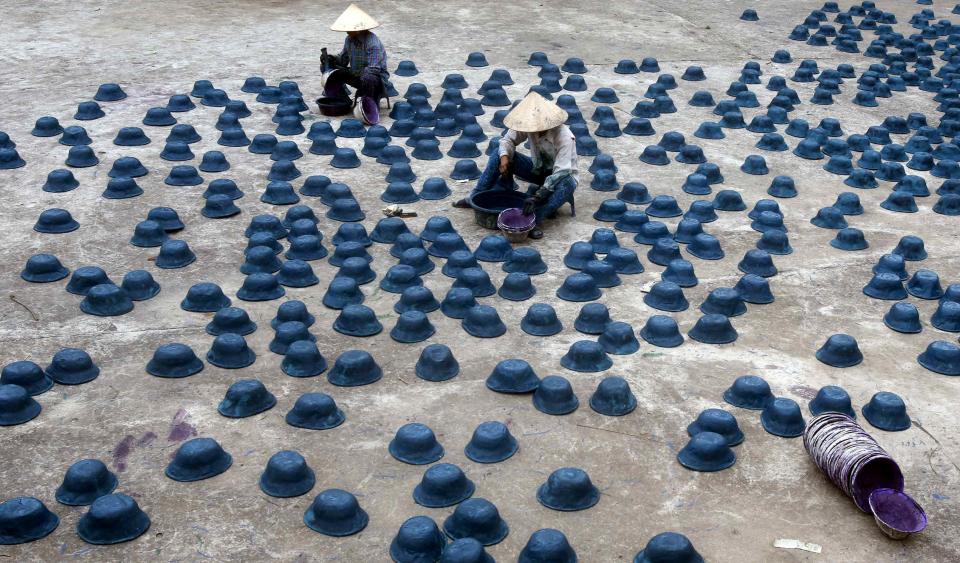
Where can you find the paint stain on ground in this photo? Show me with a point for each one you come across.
(803, 391)
(122, 451)
(180, 429)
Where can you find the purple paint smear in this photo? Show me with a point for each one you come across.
(180, 429)
(121, 451)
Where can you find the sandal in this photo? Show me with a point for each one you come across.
(536, 233)
(461, 204)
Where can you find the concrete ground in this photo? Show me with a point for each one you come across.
(57, 52)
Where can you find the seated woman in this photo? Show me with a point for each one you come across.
(361, 64)
(551, 168)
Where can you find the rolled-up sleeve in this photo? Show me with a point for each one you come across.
(565, 163)
(509, 142)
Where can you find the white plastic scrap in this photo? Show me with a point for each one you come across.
(797, 544)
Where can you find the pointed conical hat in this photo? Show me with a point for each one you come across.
(535, 113)
(354, 19)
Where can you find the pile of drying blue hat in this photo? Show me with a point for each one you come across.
(901, 154)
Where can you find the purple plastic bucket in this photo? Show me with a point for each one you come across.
(515, 225)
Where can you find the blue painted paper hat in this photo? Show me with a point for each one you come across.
(547, 545)
(782, 417)
(633, 220)
(353, 368)
(713, 328)
(758, 262)
(725, 301)
(79, 156)
(183, 175)
(491, 443)
(283, 170)
(849, 239)
(618, 339)
(947, 315)
(652, 231)
(230, 319)
(315, 411)
(481, 321)
(941, 357)
(925, 284)
(900, 202)
(287, 475)
(586, 356)
(46, 126)
(613, 397)
(26, 374)
(893, 263)
(288, 332)
(512, 376)
(16, 406)
(579, 287)
(55, 221)
(260, 259)
(246, 397)
(205, 297)
(419, 539)
(903, 317)
(443, 485)
(459, 301)
(624, 261)
(106, 300)
(412, 326)
(253, 85)
(664, 206)
(215, 98)
(666, 296)
(345, 210)
(517, 287)
(214, 161)
(476, 280)
(668, 546)
(749, 392)
(417, 258)
(303, 359)
(719, 422)
(84, 482)
(112, 519)
(526, 260)
(122, 188)
(174, 360)
(198, 459)
(358, 269)
(436, 363)
(840, 350)
(885, 285)
(663, 251)
(85, 278)
(887, 411)
(831, 398)
(706, 451)
(399, 191)
(948, 204)
(578, 255)
(603, 240)
(687, 228)
(680, 272)
(773, 240)
(541, 320)
(416, 444)
(476, 518)
(654, 155)
(131, 137)
(230, 351)
(357, 320)
(568, 489)
(60, 180)
(465, 170)
(87, 111)
(555, 396)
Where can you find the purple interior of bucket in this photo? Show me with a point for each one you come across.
(371, 112)
(898, 511)
(515, 219)
(881, 473)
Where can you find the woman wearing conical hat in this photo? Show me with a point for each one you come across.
(362, 63)
(551, 167)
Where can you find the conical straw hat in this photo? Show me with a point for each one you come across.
(535, 113)
(354, 19)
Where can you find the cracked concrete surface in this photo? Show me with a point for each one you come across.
(56, 53)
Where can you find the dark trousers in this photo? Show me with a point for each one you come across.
(522, 167)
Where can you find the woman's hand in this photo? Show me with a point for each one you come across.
(504, 164)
